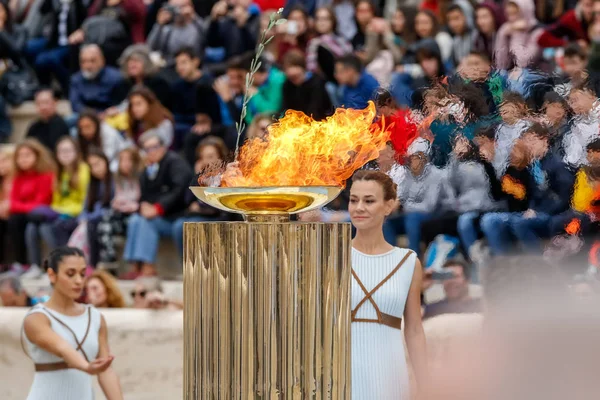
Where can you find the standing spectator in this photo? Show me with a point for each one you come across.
(295, 34)
(460, 24)
(91, 132)
(33, 182)
(267, 88)
(50, 126)
(147, 116)
(489, 17)
(177, 27)
(357, 86)
(583, 102)
(304, 91)
(7, 155)
(572, 26)
(326, 46)
(125, 202)
(94, 86)
(97, 203)
(56, 222)
(163, 185)
(517, 40)
(102, 290)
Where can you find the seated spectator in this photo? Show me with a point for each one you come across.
(489, 16)
(146, 117)
(12, 37)
(459, 16)
(514, 112)
(230, 90)
(385, 37)
(7, 154)
(232, 31)
(56, 223)
(33, 183)
(575, 60)
(259, 128)
(102, 290)
(456, 290)
(50, 127)
(177, 27)
(163, 184)
(556, 112)
(204, 129)
(138, 69)
(126, 201)
(94, 86)
(303, 90)
(12, 293)
(295, 34)
(423, 193)
(113, 26)
(364, 13)
(570, 27)
(427, 27)
(148, 294)
(585, 127)
(357, 86)
(98, 201)
(91, 132)
(267, 88)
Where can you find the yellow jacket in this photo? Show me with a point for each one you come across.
(69, 201)
(583, 193)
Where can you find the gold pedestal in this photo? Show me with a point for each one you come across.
(267, 312)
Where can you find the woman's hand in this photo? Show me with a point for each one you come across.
(99, 365)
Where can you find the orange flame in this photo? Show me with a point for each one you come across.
(573, 227)
(300, 151)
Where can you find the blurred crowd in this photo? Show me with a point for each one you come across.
(492, 108)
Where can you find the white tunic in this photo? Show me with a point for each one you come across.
(379, 368)
(66, 384)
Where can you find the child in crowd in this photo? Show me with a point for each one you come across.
(92, 132)
(459, 16)
(147, 116)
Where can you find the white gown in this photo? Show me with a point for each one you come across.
(65, 384)
(379, 368)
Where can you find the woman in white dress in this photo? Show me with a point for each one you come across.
(386, 286)
(66, 340)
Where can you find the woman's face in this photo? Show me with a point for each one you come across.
(135, 67)
(262, 129)
(485, 21)
(367, 206)
(512, 12)
(398, 22)
(26, 159)
(423, 25)
(96, 293)
(139, 106)
(125, 163)
(323, 22)
(87, 128)
(5, 164)
(431, 67)
(209, 155)
(98, 167)
(416, 163)
(364, 13)
(298, 18)
(139, 296)
(70, 278)
(66, 153)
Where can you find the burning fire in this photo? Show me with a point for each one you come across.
(300, 151)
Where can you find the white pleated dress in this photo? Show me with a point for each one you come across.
(379, 368)
(65, 384)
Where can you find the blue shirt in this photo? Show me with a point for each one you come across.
(358, 96)
(98, 93)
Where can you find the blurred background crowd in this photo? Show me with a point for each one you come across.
(495, 140)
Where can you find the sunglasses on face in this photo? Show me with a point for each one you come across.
(141, 293)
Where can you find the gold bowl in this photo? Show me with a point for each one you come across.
(276, 200)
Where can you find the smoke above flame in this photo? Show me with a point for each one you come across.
(300, 151)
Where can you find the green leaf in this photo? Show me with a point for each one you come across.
(257, 67)
(260, 49)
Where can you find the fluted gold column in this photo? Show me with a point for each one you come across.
(267, 310)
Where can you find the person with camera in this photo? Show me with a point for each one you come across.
(177, 27)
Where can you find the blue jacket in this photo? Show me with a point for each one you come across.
(98, 94)
(552, 187)
(358, 96)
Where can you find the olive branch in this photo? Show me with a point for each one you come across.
(274, 20)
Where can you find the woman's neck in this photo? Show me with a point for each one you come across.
(371, 241)
(61, 303)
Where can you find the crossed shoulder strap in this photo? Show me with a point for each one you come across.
(382, 318)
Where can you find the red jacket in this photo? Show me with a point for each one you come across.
(570, 26)
(31, 190)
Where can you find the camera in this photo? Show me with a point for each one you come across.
(173, 10)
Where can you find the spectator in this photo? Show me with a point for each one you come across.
(427, 27)
(98, 201)
(423, 192)
(303, 91)
(517, 39)
(489, 17)
(56, 222)
(259, 128)
(456, 289)
(102, 290)
(556, 114)
(12, 293)
(295, 34)
(93, 133)
(232, 31)
(148, 117)
(460, 23)
(267, 88)
(95, 85)
(230, 90)
(7, 154)
(138, 68)
(33, 183)
(583, 102)
(12, 37)
(513, 111)
(403, 27)
(357, 86)
(126, 201)
(148, 294)
(50, 126)
(203, 129)
(365, 13)
(575, 60)
(570, 27)
(326, 46)
(393, 37)
(163, 185)
(177, 27)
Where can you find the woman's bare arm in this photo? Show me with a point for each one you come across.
(413, 327)
(109, 381)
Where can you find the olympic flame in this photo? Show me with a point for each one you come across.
(300, 151)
